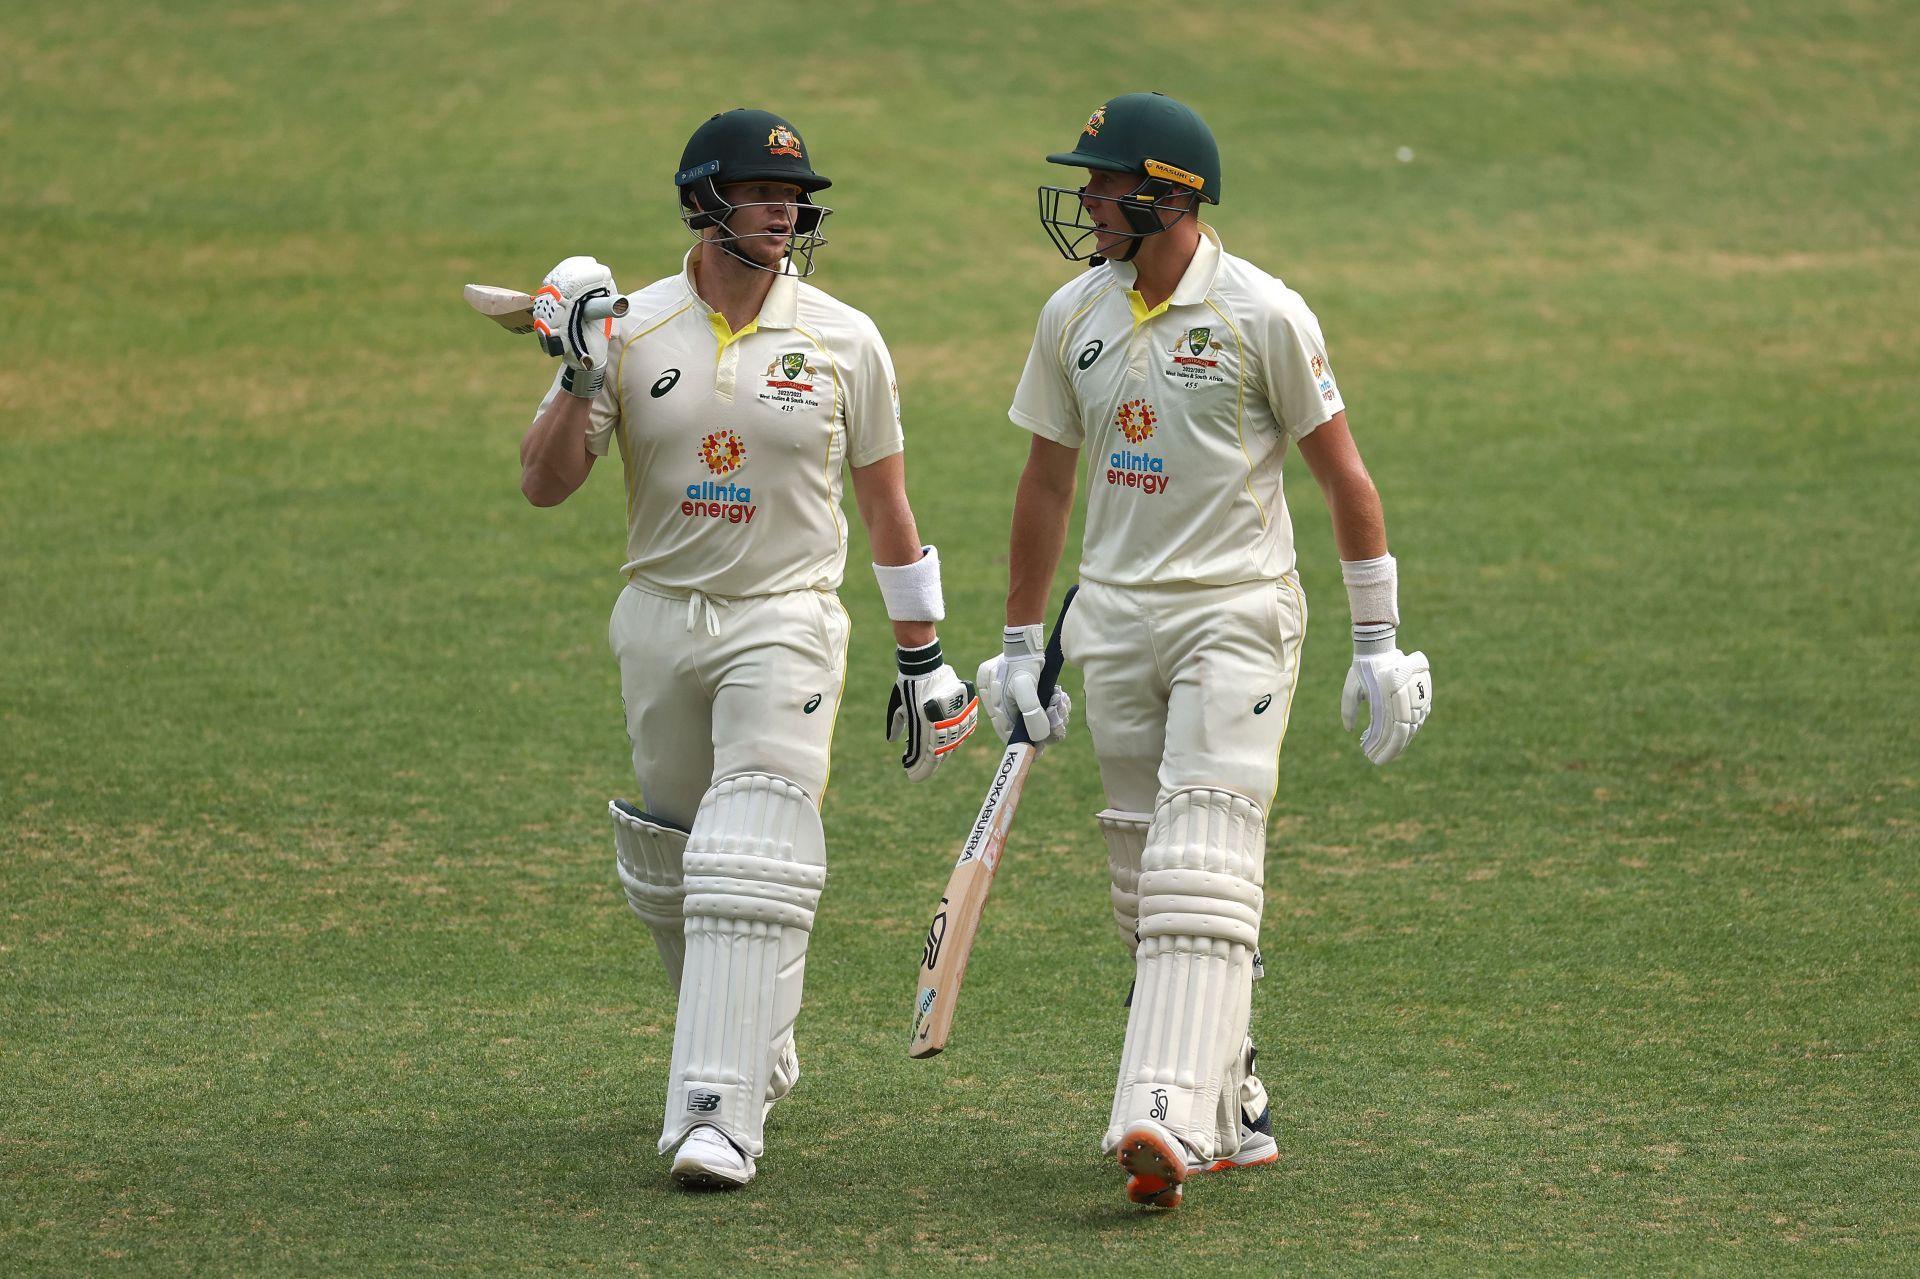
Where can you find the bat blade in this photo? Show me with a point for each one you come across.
(512, 310)
(943, 963)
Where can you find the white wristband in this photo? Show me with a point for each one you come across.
(912, 591)
(1373, 589)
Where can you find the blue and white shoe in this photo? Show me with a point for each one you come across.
(1257, 1147)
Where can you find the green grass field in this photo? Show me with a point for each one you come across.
(311, 956)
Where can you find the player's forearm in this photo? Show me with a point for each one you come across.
(1359, 523)
(1039, 536)
(554, 458)
(880, 490)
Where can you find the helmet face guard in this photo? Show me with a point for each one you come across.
(703, 207)
(1063, 212)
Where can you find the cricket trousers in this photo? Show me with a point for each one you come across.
(1187, 685)
(716, 687)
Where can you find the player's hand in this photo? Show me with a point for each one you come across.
(564, 328)
(1397, 688)
(1010, 686)
(931, 708)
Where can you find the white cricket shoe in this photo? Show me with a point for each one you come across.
(708, 1160)
(1156, 1163)
(1257, 1147)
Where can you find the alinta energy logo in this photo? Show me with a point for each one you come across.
(1126, 469)
(722, 453)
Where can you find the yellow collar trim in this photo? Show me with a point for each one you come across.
(724, 332)
(1139, 304)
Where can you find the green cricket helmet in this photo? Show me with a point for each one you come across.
(745, 145)
(1163, 141)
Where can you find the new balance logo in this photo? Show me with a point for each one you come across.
(703, 1102)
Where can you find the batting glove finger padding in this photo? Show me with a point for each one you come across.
(1396, 687)
(931, 710)
(560, 318)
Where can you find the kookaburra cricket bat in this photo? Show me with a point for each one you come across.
(512, 310)
(950, 937)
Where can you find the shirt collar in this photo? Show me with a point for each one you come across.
(1198, 278)
(777, 312)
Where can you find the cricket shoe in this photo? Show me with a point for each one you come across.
(708, 1160)
(1257, 1147)
(1156, 1162)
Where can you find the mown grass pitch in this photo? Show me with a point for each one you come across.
(311, 958)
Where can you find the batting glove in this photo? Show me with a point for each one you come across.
(1010, 686)
(1397, 688)
(564, 328)
(931, 708)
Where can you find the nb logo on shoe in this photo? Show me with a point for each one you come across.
(813, 704)
(1260, 707)
(1089, 353)
(665, 384)
(703, 1102)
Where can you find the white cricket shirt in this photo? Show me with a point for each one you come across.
(733, 444)
(1184, 412)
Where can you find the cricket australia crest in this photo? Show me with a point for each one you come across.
(1196, 356)
(791, 382)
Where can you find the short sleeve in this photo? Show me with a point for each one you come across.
(1299, 379)
(1044, 401)
(873, 402)
(603, 416)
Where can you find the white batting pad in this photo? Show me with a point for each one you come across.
(1200, 899)
(755, 864)
(1126, 835)
(647, 855)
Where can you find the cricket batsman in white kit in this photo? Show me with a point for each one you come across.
(736, 395)
(1184, 373)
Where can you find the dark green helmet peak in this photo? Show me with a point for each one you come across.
(744, 145)
(1152, 135)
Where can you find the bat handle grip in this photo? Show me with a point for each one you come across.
(598, 309)
(1049, 669)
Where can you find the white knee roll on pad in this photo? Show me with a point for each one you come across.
(755, 864)
(647, 855)
(1126, 835)
(1200, 898)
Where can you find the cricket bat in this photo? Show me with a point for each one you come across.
(512, 310)
(950, 937)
